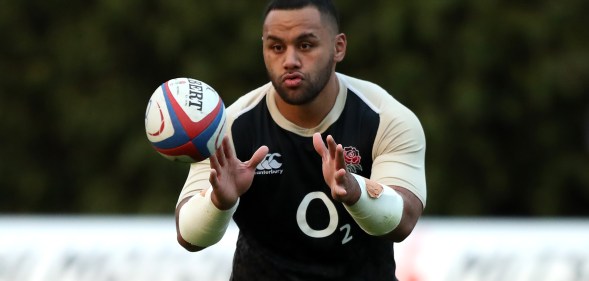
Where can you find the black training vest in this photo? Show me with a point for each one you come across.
(290, 228)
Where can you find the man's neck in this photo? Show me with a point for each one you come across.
(311, 114)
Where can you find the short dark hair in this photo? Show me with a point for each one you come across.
(325, 7)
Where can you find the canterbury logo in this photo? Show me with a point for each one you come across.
(270, 165)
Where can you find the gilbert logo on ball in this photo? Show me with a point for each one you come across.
(185, 120)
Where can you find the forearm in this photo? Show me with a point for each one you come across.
(388, 211)
(199, 223)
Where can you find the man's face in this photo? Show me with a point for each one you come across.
(299, 52)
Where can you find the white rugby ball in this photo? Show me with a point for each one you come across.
(185, 120)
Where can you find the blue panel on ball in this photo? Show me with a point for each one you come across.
(201, 140)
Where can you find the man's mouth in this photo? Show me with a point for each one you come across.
(292, 80)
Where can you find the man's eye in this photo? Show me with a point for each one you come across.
(306, 46)
(276, 48)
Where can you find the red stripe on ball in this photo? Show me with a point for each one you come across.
(192, 129)
(187, 149)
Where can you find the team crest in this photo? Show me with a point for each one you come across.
(352, 158)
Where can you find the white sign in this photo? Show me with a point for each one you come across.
(93, 248)
(495, 250)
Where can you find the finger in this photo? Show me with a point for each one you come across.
(220, 153)
(331, 145)
(258, 156)
(227, 147)
(319, 144)
(341, 183)
(341, 192)
(340, 161)
(214, 163)
(213, 179)
(340, 177)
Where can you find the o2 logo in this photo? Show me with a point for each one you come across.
(333, 218)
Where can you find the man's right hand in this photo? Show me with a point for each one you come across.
(230, 178)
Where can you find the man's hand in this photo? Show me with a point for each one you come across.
(344, 187)
(230, 178)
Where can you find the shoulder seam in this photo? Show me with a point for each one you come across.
(359, 93)
(254, 102)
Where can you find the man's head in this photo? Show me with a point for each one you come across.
(301, 46)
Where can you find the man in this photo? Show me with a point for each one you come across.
(335, 166)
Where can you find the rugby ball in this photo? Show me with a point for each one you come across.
(185, 120)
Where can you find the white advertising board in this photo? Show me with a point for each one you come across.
(496, 250)
(93, 248)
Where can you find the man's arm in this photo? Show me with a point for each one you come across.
(202, 219)
(412, 210)
(380, 210)
(181, 241)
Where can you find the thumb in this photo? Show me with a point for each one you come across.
(258, 156)
(318, 144)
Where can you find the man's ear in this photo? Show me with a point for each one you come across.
(340, 47)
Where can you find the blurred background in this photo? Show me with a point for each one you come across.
(501, 89)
